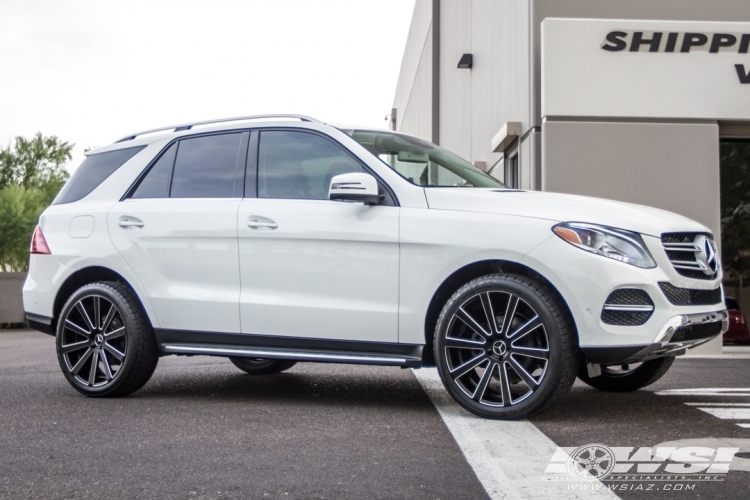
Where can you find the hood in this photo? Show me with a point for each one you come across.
(560, 207)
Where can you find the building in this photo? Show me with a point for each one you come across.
(645, 101)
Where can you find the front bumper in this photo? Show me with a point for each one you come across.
(665, 343)
(585, 281)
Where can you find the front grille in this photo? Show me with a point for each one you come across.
(682, 251)
(696, 275)
(696, 332)
(689, 296)
(679, 237)
(616, 307)
(684, 256)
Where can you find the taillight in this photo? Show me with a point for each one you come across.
(38, 243)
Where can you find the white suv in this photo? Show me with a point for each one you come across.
(277, 239)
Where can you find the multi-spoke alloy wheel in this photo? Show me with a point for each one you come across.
(496, 349)
(104, 341)
(93, 342)
(498, 341)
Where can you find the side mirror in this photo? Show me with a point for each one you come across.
(355, 187)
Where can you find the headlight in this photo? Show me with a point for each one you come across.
(617, 244)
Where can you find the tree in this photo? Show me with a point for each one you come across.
(31, 174)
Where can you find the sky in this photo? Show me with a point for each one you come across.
(91, 72)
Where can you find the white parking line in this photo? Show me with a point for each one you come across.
(724, 411)
(719, 404)
(508, 457)
(711, 391)
(727, 413)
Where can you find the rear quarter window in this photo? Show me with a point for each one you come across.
(92, 172)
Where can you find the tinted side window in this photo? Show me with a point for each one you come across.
(156, 182)
(92, 172)
(205, 167)
(299, 165)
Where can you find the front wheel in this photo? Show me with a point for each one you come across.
(627, 377)
(257, 366)
(504, 347)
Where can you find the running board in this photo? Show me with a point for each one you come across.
(362, 358)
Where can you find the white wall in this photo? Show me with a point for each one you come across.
(413, 99)
(475, 103)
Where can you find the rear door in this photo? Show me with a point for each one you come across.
(178, 231)
(312, 267)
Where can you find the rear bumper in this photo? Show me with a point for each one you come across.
(668, 341)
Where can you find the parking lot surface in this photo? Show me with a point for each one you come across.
(203, 429)
(662, 413)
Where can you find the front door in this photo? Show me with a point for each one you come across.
(178, 232)
(312, 267)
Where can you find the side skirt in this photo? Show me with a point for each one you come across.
(182, 342)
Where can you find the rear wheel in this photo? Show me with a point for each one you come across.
(105, 344)
(627, 377)
(504, 347)
(257, 366)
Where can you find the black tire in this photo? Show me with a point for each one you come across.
(537, 327)
(127, 332)
(615, 380)
(256, 366)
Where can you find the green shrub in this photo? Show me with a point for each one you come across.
(31, 174)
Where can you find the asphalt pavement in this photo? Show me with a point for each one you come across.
(655, 416)
(203, 429)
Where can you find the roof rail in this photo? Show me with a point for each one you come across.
(188, 126)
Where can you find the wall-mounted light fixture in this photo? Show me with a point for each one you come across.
(466, 61)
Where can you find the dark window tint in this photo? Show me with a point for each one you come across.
(92, 172)
(205, 167)
(731, 303)
(299, 165)
(156, 182)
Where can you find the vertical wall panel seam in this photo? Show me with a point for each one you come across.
(471, 85)
(537, 158)
(436, 71)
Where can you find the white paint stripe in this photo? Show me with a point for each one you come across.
(508, 457)
(717, 356)
(710, 391)
(746, 426)
(711, 403)
(706, 389)
(712, 394)
(728, 413)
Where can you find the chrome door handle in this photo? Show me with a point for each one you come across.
(257, 224)
(130, 222)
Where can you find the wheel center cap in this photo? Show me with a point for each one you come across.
(499, 348)
(99, 339)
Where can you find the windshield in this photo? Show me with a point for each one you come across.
(421, 162)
